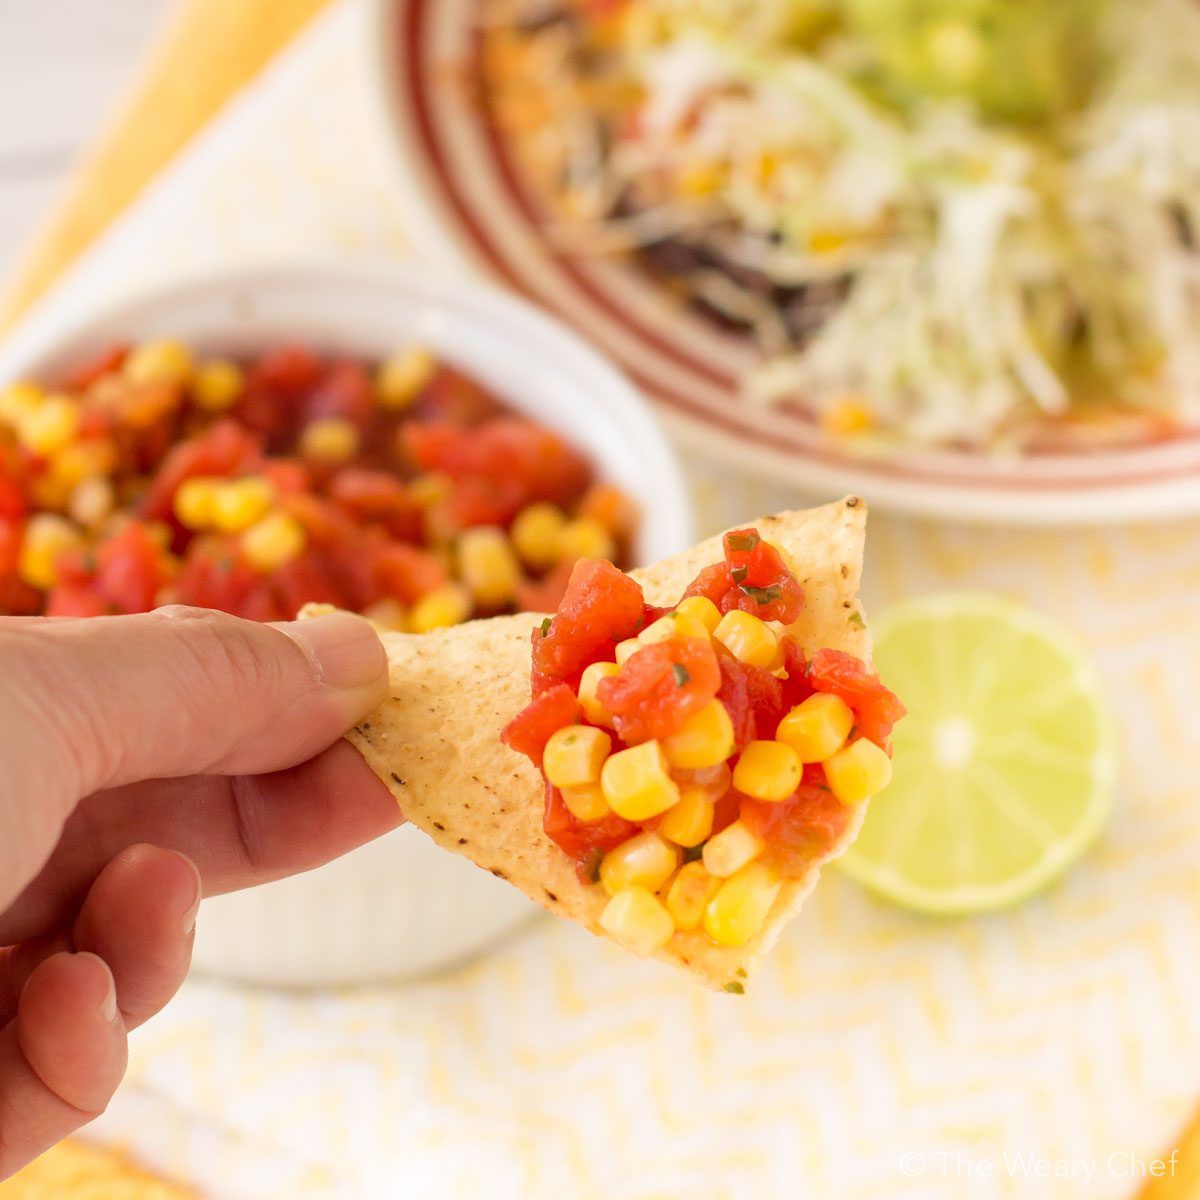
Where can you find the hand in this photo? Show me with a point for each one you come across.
(146, 761)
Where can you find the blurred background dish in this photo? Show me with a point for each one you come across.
(943, 256)
(398, 907)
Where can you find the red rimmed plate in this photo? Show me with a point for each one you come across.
(467, 205)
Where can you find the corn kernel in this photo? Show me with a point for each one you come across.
(699, 180)
(46, 538)
(672, 624)
(767, 771)
(196, 502)
(747, 638)
(586, 803)
(91, 501)
(443, 606)
(626, 650)
(690, 821)
(848, 416)
(737, 912)
(240, 503)
(487, 565)
(274, 542)
(428, 490)
(731, 849)
(217, 386)
(689, 894)
(589, 681)
(637, 782)
(330, 440)
(387, 614)
(50, 427)
(610, 506)
(162, 361)
(403, 377)
(702, 609)
(536, 532)
(817, 727)
(583, 538)
(574, 755)
(645, 860)
(84, 460)
(858, 772)
(18, 400)
(703, 740)
(637, 919)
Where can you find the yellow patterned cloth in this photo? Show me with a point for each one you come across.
(1049, 1052)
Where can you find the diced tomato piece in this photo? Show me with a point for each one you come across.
(799, 831)
(753, 578)
(580, 841)
(797, 687)
(12, 501)
(344, 390)
(456, 398)
(12, 531)
(602, 606)
(74, 600)
(325, 523)
(225, 449)
(876, 709)
(752, 696)
(214, 577)
(546, 594)
(130, 569)
(289, 370)
(478, 500)
(305, 580)
(529, 731)
(405, 573)
(82, 376)
(287, 476)
(17, 598)
(378, 496)
(660, 686)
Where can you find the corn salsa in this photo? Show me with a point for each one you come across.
(403, 490)
(697, 757)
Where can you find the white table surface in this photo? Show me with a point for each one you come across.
(63, 64)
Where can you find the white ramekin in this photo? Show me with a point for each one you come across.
(399, 907)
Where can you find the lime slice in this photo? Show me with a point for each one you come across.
(1004, 767)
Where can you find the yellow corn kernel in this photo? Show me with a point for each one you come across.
(737, 912)
(767, 771)
(747, 638)
(703, 740)
(162, 361)
(583, 538)
(403, 377)
(46, 537)
(610, 506)
(217, 385)
(574, 755)
(274, 542)
(447, 605)
(487, 565)
(714, 782)
(691, 820)
(699, 180)
(645, 860)
(84, 460)
(702, 609)
(330, 440)
(817, 727)
(637, 782)
(589, 681)
(50, 427)
(689, 894)
(731, 849)
(18, 400)
(626, 650)
(672, 624)
(847, 416)
(91, 501)
(586, 803)
(387, 614)
(536, 532)
(858, 772)
(196, 501)
(637, 920)
(428, 490)
(241, 503)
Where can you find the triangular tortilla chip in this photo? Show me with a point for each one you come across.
(436, 745)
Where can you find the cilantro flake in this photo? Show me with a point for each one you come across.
(736, 988)
(744, 541)
(681, 674)
(762, 595)
(546, 623)
(857, 621)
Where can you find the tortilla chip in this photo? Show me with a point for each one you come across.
(436, 742)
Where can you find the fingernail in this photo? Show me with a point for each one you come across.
(189, 917)
(108, 1002)
(344, 649)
